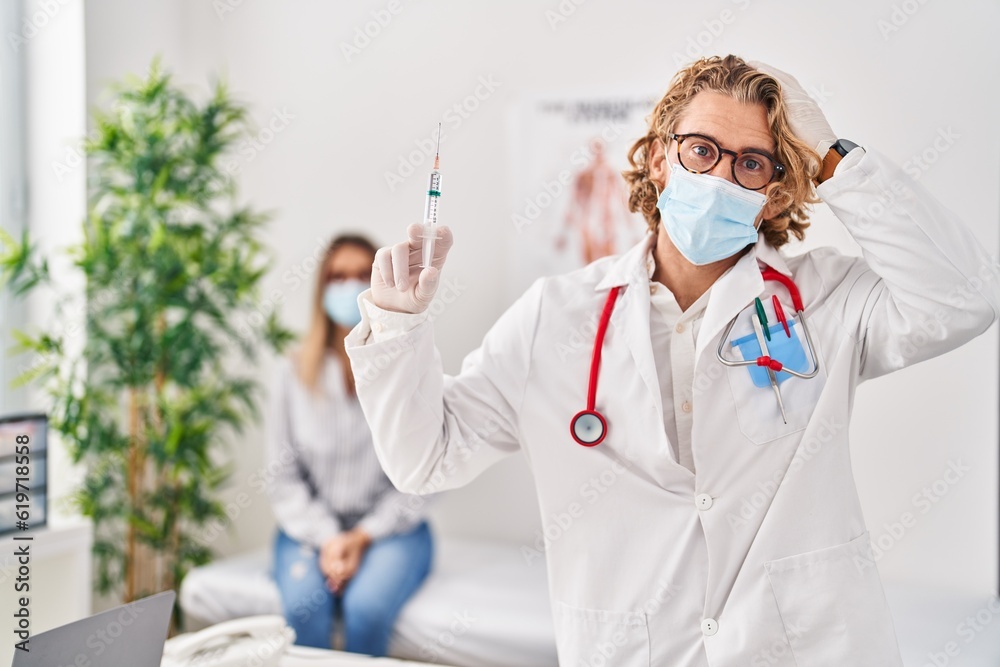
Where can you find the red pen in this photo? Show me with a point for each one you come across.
(780, 314)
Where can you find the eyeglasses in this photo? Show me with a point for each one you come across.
(363, 276)
(751, 169)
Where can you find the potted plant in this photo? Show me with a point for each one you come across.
(172, 267)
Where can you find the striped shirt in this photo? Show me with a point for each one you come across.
(322, 471)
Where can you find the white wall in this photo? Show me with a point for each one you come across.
(13, 193)
(351, 122)
(50, 38)
(56, 201)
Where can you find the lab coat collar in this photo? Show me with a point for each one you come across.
(630, 267)
(634, 265)
(731, 293)
(771, 256)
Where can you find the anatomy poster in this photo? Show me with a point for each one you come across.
(569, 203)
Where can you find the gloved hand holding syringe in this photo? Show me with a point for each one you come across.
(405, 276)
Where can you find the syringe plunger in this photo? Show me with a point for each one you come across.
(430, 217)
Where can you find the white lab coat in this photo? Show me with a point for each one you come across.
(790, 575)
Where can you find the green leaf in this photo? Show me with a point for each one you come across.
(20, 269)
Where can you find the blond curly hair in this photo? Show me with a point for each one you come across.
(734, 77)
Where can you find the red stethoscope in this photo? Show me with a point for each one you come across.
(589, 427)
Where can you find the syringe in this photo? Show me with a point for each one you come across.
(431, 208)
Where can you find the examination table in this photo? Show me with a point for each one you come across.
(482, 604)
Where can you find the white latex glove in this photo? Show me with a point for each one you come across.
(806, 118)
(398, 281)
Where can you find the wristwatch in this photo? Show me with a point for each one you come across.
(839, 149)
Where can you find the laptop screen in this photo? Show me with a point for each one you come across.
(128, 636)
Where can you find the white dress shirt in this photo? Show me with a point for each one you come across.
(674, 334)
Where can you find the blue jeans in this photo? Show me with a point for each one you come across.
(391, 571)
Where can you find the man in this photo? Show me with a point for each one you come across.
(662, 562)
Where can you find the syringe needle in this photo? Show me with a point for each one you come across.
(437, 149)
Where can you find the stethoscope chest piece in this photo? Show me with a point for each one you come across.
(588, 428)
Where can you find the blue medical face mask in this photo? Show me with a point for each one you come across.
(340, 300)
(708, 218)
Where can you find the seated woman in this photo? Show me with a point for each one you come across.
(344, 532)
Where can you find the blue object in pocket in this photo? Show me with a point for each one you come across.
(788, 351)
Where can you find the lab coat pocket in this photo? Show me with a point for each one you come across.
(599, 636)
(833, 607)
(756, 403)
(786, 348)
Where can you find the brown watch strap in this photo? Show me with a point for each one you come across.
(830, 163)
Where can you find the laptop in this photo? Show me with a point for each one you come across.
(128, 636)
